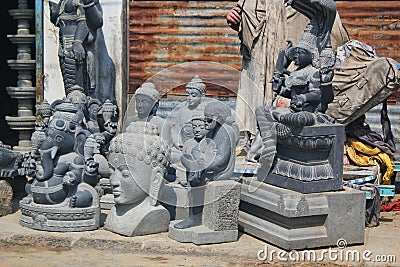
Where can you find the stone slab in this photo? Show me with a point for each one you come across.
(292, 220)
(201, 235)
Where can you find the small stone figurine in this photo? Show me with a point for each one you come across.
(139, 161)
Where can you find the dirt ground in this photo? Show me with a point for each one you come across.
(86, 257)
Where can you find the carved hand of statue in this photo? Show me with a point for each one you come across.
(91, 167)
(277, 81)
(79, 51)
(297, 103)
(194, 178)
(69, 180)
(111, 127)
(326, 75)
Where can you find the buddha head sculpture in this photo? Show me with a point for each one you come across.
(195, 92)
(138, 160)
(147, 98)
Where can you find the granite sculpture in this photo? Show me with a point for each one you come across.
(139, 161)
(62, 196)
(296, 201)
(209, 159)
(180, 123)
(301, 129)
(147, 100)
(78, 22)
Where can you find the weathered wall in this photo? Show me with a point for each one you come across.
(166, 33)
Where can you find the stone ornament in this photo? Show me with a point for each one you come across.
(139, 162)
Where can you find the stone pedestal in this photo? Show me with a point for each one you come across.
(292, 220)
(310, 159)
(60, 217)
(6, 196)
(220, 216)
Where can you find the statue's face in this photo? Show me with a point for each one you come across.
(193, 97)
(93, 110)
(302, 57)
(144, 105)
(210, 122)
(199, 128)
(130, 179)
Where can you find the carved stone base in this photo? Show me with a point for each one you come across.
(309, 160)
(292, 220)
(201, 235)
(6, 196)
(59, 218)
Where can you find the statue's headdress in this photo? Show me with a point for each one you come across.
(148, 89)
(197, 83)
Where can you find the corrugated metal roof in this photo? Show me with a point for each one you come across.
(165, 33)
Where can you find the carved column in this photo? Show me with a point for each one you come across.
(24, 92)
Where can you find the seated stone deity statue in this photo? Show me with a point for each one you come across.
(138, 159)
(146, 103)
(208, 156)
(309, 88)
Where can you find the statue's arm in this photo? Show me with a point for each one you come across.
(223, 153)
(94, 16)
(54, 11)
(314, 89)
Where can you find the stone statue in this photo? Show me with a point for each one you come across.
(207, 157)
(309, 88)
(62, 196)
(10, 161)
(78, 21)
(139, 161)
(146, 102)
(180, 122)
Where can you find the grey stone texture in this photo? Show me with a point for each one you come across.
(220, 212)
(310, 159)
(175, 199)
(201, 235)
(6, 195)
(144, 219)
(61, 217)
(219, 218)
(292, 220)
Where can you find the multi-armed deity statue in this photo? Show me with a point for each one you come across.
(309, 88)
(62, 195)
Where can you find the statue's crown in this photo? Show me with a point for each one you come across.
(148, 89)
(197, 83)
